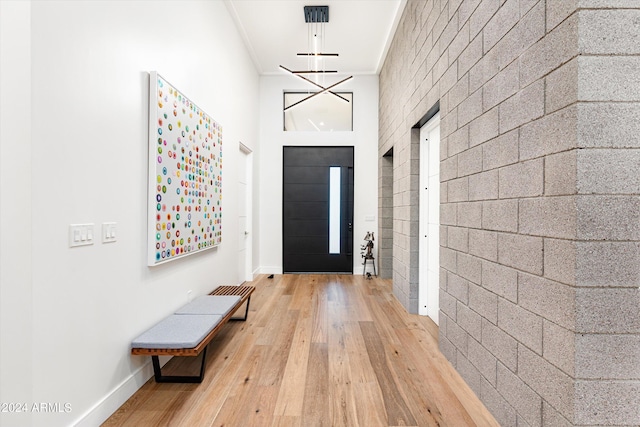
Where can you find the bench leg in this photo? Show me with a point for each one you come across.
(246, 313)
(178, 378)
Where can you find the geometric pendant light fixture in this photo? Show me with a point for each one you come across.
(316, 17)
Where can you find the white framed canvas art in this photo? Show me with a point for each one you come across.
(185, 175)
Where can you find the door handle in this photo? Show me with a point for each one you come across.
(350, 227)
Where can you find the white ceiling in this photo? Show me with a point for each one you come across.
(360, 31)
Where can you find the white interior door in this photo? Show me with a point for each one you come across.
(244, 215)
(429, 288)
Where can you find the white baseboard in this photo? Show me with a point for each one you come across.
(270, 270)
(117, 397)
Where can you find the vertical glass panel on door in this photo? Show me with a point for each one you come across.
(326, 112)
(334, 210)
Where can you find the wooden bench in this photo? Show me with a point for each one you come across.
(189, 330)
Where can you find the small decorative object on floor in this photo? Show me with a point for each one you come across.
(367, 254)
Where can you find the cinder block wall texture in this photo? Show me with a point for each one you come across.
(385, 215)
(540, 198)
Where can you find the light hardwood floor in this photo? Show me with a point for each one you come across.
(316, 350)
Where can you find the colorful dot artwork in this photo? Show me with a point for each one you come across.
(185, 175)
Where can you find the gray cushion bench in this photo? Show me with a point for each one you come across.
(189, 330)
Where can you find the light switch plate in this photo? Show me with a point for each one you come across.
(109, 233)
(80, 235)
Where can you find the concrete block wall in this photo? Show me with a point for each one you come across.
(385, 214)
(607, 248)
(540, 198)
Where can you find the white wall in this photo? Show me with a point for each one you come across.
(85, 161)
(272, 138)
(15, 209)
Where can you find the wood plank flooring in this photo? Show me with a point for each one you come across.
(316, 350)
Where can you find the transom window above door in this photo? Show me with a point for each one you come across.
(326, 112)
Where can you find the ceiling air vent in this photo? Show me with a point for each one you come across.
(316, 14)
